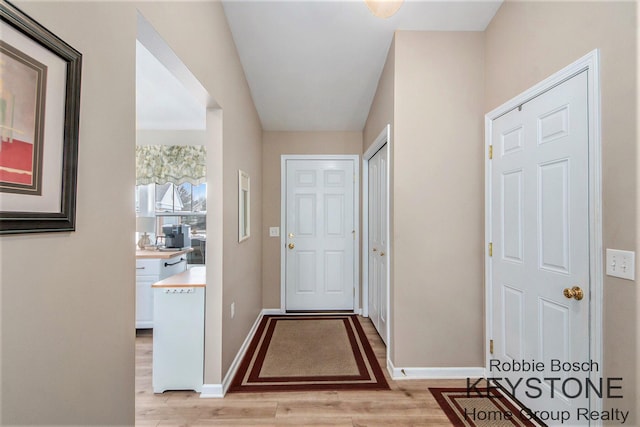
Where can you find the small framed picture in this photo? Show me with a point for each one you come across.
(244, 206)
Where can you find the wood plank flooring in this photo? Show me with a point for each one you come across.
(408, 403)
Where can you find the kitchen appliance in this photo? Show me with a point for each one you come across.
(177, 236)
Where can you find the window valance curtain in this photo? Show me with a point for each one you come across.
(177, 164)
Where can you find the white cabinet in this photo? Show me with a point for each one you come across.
(149, 271)
(178, 338)
(144, 301)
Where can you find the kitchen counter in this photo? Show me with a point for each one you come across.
(147, 254)
(195, 277)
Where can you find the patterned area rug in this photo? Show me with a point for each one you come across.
(304, 353)
(476, 409)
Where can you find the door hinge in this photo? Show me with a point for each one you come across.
(490, 249)
(491, 346)
(491, 152)
(354, 234)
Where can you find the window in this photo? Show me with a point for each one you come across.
(172, 185)
(174, 204)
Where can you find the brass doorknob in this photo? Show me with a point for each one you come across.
(381, 253)
(291, 246)
(375, 250)
(575, 293)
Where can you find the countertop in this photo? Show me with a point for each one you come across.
(146, 254)
(195, 277)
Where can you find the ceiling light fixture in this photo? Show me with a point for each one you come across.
(383, 8)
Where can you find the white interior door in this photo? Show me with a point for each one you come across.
(540, 235)
(320, 235)
(377, 246)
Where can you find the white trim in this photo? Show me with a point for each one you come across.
(272, 311)
(590, 63)
(226, 382)
(212, 391)
(378, 143)
(384, 138)
(220, 390)
(356, 219)
(448, 373)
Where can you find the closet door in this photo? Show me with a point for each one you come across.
(378, 263)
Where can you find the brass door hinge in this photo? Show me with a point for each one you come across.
(491, 152)
(491, 346)
(490, 249)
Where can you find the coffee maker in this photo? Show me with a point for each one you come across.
(177, 236)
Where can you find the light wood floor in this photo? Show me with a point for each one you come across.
(408, 403)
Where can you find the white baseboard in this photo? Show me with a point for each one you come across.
(219, 390)
(447, 373)
(212, 391)
(280, 312)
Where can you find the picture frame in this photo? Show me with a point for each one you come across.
(40, 78)
(244, 206)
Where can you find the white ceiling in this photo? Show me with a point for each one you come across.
(312, 65)
(315, 65)
(162, 102)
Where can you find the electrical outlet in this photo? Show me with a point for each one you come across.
(274, 231)
(233, 309)
(621, 264)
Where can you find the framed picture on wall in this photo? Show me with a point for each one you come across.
(244, 206)
(39, 118)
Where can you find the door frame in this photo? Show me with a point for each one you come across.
(283, 218)
(383, 138)
(589, 63)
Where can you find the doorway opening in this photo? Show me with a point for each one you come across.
(197, 205)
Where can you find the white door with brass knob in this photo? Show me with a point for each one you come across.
(320, 242)
(539, 232)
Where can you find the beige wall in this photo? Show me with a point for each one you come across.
(381, 110)
(68, 324)
(381, 114)
(274, 145)
(431, 92)
(68, 298)
(437, 312)
(528, 41)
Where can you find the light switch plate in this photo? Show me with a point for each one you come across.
(621, 264)
(274, 231)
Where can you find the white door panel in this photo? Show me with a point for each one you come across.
(319, 263)
(540, 234)
(378, 242)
